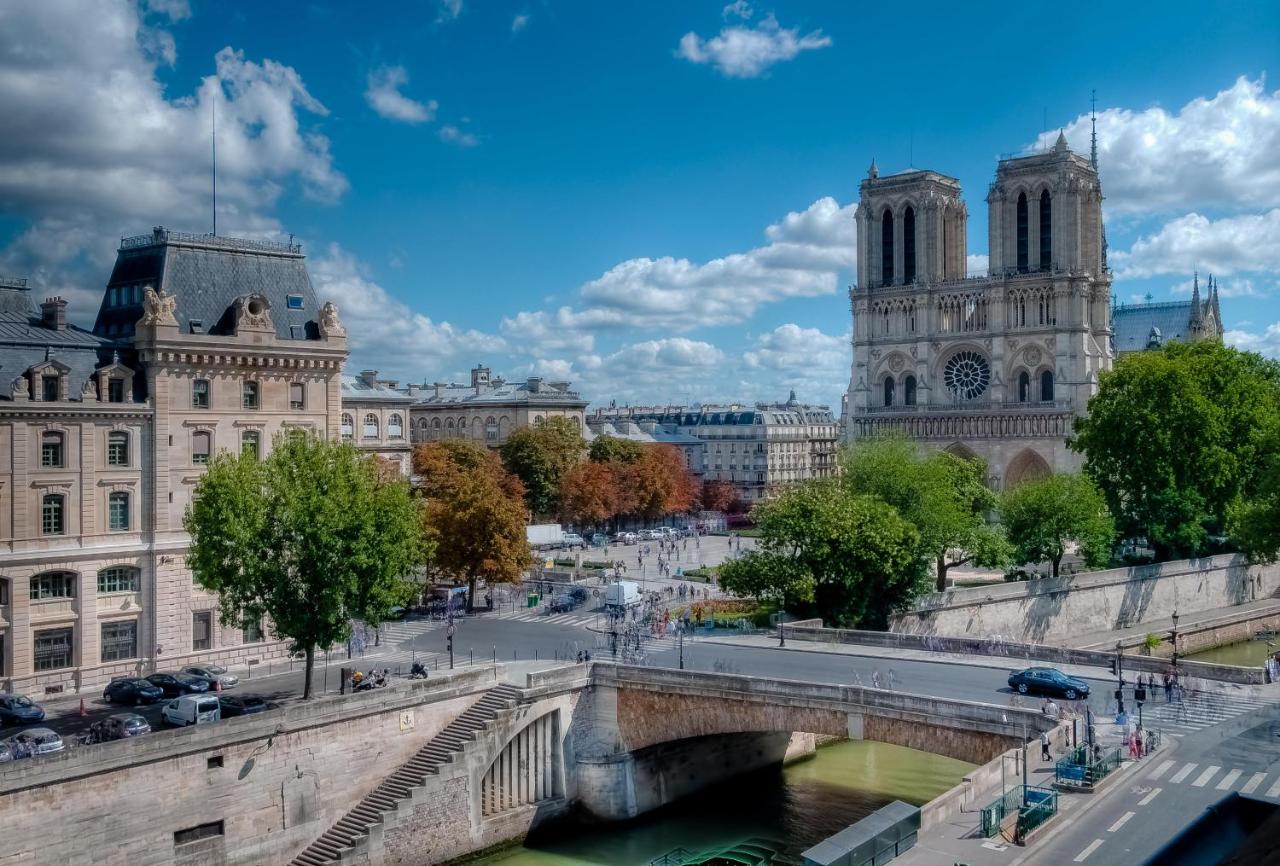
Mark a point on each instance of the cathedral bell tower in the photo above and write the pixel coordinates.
(911, 229)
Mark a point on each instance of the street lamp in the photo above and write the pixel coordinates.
(1175, 641)
(782, 635)
(1119, 682)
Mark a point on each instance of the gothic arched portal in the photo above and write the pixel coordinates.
(1027, 465)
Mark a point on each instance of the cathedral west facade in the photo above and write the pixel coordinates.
(994, 366)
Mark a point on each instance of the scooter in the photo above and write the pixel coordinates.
(418, 671)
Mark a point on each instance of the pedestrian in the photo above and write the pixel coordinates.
(1044, 747)
(875, 679)
(1052, 709)
(893, 679)
(1168, 688)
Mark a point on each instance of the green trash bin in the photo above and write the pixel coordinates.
(532, 600)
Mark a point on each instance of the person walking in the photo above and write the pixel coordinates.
(1044, 747)
(875, 679)
(893, 679)
(1168, 688)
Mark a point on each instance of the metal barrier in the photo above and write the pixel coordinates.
(994, 813)
(1077, 770)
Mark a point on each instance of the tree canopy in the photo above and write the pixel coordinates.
(312, 537)
(589, 495)
(1255, 522)
(612, 449)
(1042, 516)
(1179, 438)
(849, 558)
(717, 495)
(943, 496)
(657, 484)
(541, 455)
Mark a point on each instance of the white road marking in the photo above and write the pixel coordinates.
(1161, 770)
(1183, 773)
(1118, 824)
(1089, 849)
(1203, 778)
(1147, 799)
(1252, 785)
(1228, 780)
(1274, 790)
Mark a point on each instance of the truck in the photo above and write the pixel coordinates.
(622, 594)
(544, 536)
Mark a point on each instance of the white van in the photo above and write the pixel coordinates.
(191, 710)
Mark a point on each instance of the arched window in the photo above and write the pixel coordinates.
(51, 451)
(395, 427)
(370, 429)
(884, 320)
(490, 429)
(909, 245)
(1046, 385)
(1046, 232)
(435, 428)
(117, 448)
(888, 391)
(348, 426)
(201, 447)
(53, 584)
(1024, 387)
(1022, 233)
(118, 579)
(909, 391)
(886, 247)
(51, 386)
(118, 511)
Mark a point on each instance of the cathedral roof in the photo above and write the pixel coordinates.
(1131, 324)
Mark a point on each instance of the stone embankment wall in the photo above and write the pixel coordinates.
(1204, 635)
(1056, 610)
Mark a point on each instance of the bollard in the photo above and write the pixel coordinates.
(471, 656)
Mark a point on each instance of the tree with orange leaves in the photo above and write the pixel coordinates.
(589, 494)
(718, 495)
(657, 484)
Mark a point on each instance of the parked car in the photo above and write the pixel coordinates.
(19, 710)
(1048, 681)
(625, 538)
(649, 535)
(241, 705)
(33, 742)
(6, 754)
(132, 690)
(579, 594)
(561, 603)
(191, 710)
(119, 726)
(213, 674)
(599, 540)
(179, 683)
(571, 540)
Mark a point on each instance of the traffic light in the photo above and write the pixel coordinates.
(1140, 695)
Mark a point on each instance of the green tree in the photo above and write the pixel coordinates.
(1042, 516)
(1177, 439)
(943, 496)
(312, 537)
(541, 456)
(611, 449)
(849, 558)
(1254, 523)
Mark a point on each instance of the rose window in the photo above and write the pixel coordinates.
(966, 375)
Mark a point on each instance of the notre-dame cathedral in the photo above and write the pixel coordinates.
(996, 365)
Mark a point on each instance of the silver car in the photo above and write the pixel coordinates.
(214, 674)
(33, 742)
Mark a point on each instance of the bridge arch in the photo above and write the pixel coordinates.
(527, 769)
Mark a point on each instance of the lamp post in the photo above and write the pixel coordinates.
(1119, 681)
(1175, 641)
(782, 635)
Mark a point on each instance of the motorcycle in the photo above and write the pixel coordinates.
(418, 671)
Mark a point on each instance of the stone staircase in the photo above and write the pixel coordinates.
(353, 829)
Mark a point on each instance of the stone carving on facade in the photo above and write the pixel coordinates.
(913, 352)
(1051, 343)
(330, 325)
(19, 388)
(875, 354)
(1033, 356)
(253, 313)
(158, 307)
(896, 363)
(88, 392)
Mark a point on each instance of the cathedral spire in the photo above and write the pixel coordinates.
(873, 172)
(1093, 123)
(1195, 295)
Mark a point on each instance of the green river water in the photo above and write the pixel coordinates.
(795, 806)
(1249, 653)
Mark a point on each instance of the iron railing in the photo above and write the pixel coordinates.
(1039, 805)
(997, 810)
(160, 235)
(1078, 770)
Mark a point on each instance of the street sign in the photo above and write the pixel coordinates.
(451, 629)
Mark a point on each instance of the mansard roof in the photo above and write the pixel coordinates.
(26, 342)
(206, 274)
(368, 389)
(1131, 324)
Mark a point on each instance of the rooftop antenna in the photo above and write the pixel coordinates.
(213, 130)
(911, 149)
(1093, 122)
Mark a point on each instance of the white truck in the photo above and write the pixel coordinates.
(544, 536)
(622, 594)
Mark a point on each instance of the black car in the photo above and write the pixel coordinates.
(131, 690)
(19, 710)
(241, 705)
(1047, 681)
(179, 684)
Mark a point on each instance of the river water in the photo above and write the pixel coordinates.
(792, 807)
(1248, 653)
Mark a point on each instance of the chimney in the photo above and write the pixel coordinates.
(53, 314)
(414, 389)
(479, 377)
(534, 384)
(369, 377)
(440, 386)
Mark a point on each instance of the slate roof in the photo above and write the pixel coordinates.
(206, 274)
(355, 388)
(662, 434)
(506, 393)
(1131, 324)
(26, 342)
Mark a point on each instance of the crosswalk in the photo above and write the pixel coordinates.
(1217, 778)
(1198, 712)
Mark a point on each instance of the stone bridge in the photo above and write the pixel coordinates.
(432, 771)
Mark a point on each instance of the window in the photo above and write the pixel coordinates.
(118, 579)
(117, 449)
(52, 649)
(348, 426)
(1046, 386)
(909, 245)
(395, 427)
(119, 640)
(118, 511)
(1046, 231)
(51, 449)
(115, 390)
(370, 430)
(293, 302)
(886, 247)
(195, 834)
(249, 395)
(53, 584)
(250, 443)
(1022, 233)
(1024, 387)
(52, 514)
(909, 391)
(252, 633)
(4, 596)
(202, 630)
(296, 394)
(888, 392)
(491, 430)
(201, 447)
(50, 386)
(200, 394)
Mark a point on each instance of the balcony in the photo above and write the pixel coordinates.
(973, 406)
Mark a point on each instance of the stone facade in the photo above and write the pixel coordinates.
(202, 344)
(375, 416)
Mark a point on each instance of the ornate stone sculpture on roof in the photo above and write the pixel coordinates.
(158, 307)
(253, 313)
(330, 326)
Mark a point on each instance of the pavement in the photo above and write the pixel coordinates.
(1106, 640)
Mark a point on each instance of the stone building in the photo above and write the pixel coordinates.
(758, 449)
(1137, 327)
(651, 433)
(202, 344)
(490, 408)
(375, 416)
(995, 365)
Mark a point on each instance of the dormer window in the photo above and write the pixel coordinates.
(294, 302)
(50, 385)
(115, 390)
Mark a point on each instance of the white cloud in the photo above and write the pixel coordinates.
(450, 134)
(741, 51)
(792, 348)
(668, 355)
(1237, 287)
(976, 263)
(738, 9)
(176, 10)
(385, 333)
(1222, 151)
(806, 251)
(541, 333)
(383, 95)
(1195, 242)
(1266, 343)
(449, 9)
(519, 22)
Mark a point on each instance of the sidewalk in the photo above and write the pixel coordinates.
(1106, 640)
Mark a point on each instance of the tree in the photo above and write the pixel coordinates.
(474, 514)
(657, 484)
(717, 495)
(611, 449)
(540, 456)
(851, 558)
(311, 537)
(1042, 516)
(1178, 438)
(944, 496)
(1255, 523)
(589, 495)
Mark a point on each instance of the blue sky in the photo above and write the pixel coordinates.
(652, 200)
